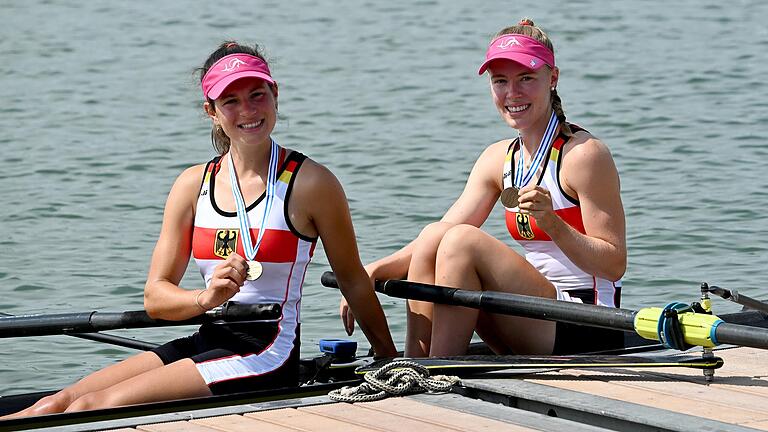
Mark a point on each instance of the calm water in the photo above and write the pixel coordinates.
(101, 112)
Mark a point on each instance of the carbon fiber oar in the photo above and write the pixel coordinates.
(89, 322)
(699, 329)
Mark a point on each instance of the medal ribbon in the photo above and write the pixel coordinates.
(521, 179)
(242, 215)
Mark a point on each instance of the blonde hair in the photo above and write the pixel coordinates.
(526, 27)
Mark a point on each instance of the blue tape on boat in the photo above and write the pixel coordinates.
(339, 347)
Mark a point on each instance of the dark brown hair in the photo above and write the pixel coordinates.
(219, 139)
(526, 27)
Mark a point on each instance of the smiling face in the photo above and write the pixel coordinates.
(246, 110)
(522, 95)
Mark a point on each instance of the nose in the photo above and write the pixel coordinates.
(249, 106)
(513, 88)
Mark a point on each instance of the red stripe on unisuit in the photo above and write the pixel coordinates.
(571, 216)
(282, 245)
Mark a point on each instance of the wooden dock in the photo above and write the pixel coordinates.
(675, 399)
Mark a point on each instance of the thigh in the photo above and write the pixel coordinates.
(469, 256)
(178, 380)
(467, 252)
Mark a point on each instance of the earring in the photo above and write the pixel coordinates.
(552, 88)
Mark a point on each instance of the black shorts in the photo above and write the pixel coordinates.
(575, 338)
(214, 341)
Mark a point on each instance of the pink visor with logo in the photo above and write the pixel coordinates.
(521, 49)
(230, 69)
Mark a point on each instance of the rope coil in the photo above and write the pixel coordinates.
(394, 379)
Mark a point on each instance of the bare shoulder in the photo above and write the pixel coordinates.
(490, 165)
(587, 165)
(496, 150)
(190, 179)
(314, 176)
(584, 148)
(186, 188)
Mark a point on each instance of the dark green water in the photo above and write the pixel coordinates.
(101, 112)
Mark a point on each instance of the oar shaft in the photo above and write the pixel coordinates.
(742, 335)
(513, 304)
(89, 322)
(110, 339)
(548, 309)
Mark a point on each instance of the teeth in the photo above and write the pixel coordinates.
(251, 125)
(517, 108)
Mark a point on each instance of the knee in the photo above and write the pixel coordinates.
(459, 240)
(88, 401)
(55, 403)
(429, 239)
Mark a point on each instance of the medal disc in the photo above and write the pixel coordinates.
(254, 270)
(509, 197)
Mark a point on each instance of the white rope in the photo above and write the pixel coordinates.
(394, 379)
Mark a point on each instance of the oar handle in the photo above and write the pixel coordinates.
(89, 322)
(328, 279)
(236, 311)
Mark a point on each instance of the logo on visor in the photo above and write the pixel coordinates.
(533, 63)
(506, 43)
(232, 65)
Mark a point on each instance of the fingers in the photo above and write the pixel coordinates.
(235, 267)
(347, 318)
(534, 199)
(226, 280)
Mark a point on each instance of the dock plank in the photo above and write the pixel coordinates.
(175, 426)
(732, 398)
(394, 420)
(441, 416)
(240, 423)
(306, 421)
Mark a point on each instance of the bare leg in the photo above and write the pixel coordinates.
(96, 381)
(177, 380)
(422, 269)
(469, 258)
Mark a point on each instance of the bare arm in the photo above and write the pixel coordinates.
(163, 297)
(329, 214)
(589, 174)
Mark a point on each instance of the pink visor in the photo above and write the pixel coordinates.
(521, 49)
(230, 69)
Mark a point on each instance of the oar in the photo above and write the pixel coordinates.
(108, 338)
(88, 322)
(739, 298)
(699, 329)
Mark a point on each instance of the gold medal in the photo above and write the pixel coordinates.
(509, 197)
(254, 270)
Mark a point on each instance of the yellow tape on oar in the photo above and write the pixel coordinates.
(698, 329)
